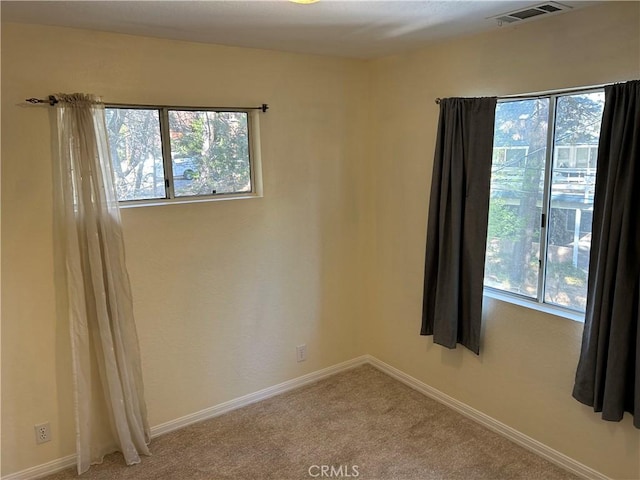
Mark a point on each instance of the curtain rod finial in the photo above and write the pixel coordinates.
(51, 100)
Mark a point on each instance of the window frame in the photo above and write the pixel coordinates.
(253, 140)
(538, 303)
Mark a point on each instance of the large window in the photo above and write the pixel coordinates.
(542, 187)
(166, 153)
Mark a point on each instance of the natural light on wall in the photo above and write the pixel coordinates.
(303, 1)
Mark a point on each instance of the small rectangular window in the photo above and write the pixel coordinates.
(173, 153)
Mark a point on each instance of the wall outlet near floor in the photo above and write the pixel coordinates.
(43, 432)
(301, 352)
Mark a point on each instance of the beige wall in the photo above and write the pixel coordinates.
(223, 291)
(331, 256)
(524, 375)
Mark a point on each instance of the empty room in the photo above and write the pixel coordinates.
(320, 239)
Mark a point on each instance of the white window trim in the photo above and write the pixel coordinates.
(154, 202)
(533, 304)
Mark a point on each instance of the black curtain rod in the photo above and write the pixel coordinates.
(52, 100)
(544, 94)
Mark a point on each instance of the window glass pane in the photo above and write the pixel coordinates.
(582, 157)
(578, 119)
(499, 156)
(563, 157)
(513, 236)
(209, 152)
(136, 151)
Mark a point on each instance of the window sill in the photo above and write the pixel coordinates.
(177, 201)
(534, 305)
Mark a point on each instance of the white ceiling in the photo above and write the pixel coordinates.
(349, 28)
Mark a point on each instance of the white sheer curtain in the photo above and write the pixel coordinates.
(108, 391)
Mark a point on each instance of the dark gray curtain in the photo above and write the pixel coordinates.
(457, 226)
(608, 375)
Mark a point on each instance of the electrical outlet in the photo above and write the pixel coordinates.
(43, 432)
(301, 352)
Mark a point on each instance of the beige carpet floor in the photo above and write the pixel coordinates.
(361, 418)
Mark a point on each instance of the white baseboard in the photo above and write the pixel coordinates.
(256, 396)
(512, 434)
(515, 436)
(44, 469)
(69, 461)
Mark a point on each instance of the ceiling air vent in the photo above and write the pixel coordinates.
(537, 11)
